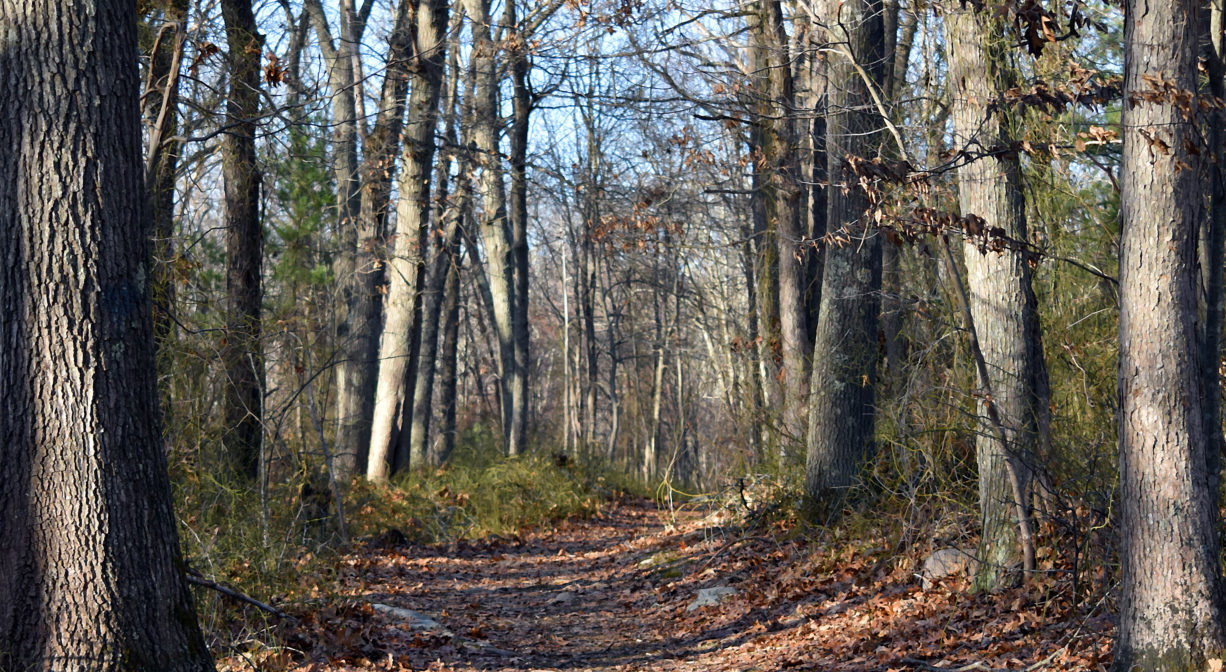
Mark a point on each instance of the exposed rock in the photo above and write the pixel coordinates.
(413, 620)
(947, 562)
(564, 597)
(707, 597)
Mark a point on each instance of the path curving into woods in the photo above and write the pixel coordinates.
(613, 593)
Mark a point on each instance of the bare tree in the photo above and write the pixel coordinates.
(1002, 303)
(841, 412)
(496, 233)
(161, 112)
(354, 323)
(415, 442)
(242, 352)
(781, 196)
(406, 262)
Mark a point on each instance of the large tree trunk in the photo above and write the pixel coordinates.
(242, 352)
(1001, 301)
(1170, 588)
(845, 351)
(406, 263)
(90, 573)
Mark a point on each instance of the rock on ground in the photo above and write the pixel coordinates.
(947, 562)
(707, 597)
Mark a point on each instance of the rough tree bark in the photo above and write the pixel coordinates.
(1001, 301)
(90, 573)
(406, 262)
(845, 352)
(242, 352)
(1171, 588)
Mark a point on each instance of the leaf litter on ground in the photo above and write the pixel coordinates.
(797, 605)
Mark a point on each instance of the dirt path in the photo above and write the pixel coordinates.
(611, 593)
(586, 596)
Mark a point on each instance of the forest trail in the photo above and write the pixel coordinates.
(612, 593)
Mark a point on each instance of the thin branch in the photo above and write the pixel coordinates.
(195, 578)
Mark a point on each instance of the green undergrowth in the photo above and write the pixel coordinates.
(477, 497)
(288, 549)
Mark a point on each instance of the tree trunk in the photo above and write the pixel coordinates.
(781, 197)
(651, 452)
(1001, 302)
(407, 261)
(810, 83)
(352, 367)
(845, 352)
(161, 112)
(242, 352)
(766, 268)
(358, 333)
(1212, 242)
(417, 439)
(90, 572)
(450, 348)
(585, 279)
(894, 79)
(1170, 588)
(757, 386)
(496, 232)
(521, 106)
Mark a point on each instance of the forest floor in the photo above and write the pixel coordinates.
(611, 592)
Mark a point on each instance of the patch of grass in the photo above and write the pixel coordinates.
(473, 498)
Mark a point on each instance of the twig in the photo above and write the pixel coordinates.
(198, 580)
